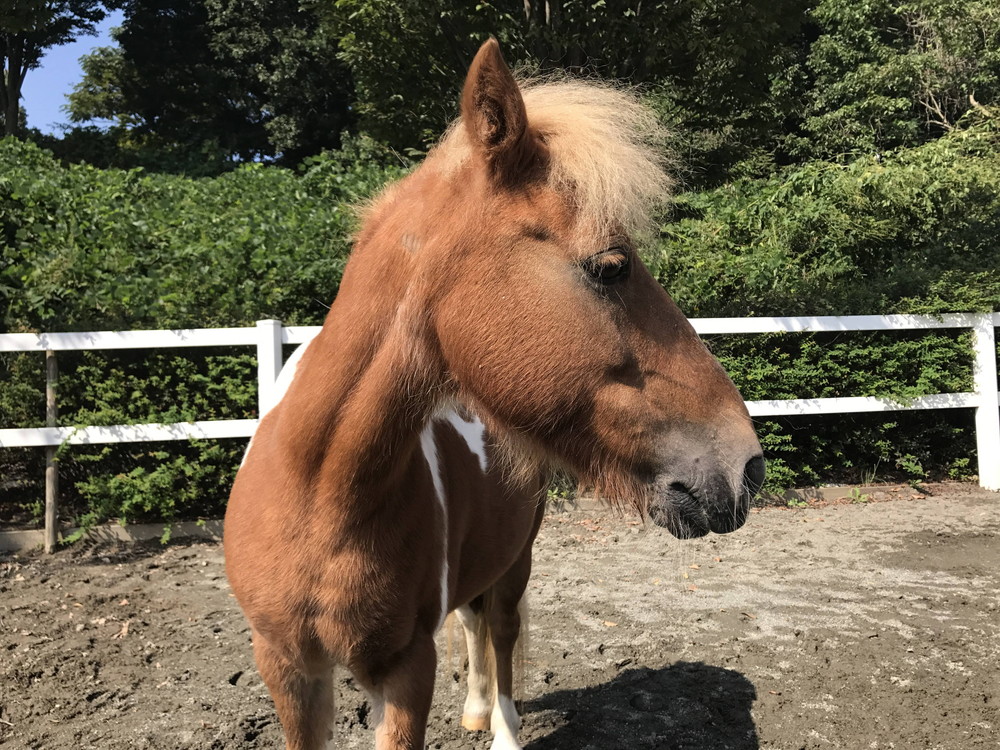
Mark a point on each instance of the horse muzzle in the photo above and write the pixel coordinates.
(711, 502)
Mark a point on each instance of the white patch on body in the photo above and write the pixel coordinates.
(473, 432)
(429, 448)
(505, 722)
(411, 243)
(281, 386)
(478, 701)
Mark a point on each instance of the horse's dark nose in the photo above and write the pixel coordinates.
(753, 476)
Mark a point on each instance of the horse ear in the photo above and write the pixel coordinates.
(493, 112)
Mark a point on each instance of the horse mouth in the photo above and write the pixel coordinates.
(687, 516)
(679, 512)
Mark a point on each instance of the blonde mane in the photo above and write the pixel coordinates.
(606, 149)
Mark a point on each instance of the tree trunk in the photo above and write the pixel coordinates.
(534, 16)
(12, 87)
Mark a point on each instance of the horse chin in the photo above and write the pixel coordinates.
(687, 515)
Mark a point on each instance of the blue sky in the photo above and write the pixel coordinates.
(44, 91)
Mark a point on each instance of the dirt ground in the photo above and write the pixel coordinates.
(865, 625)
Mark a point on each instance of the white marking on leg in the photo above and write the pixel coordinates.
(429, 447)
(473, 433)
(281, 386)
(478, 701)
(505, 722)
(331, 742)
(377, 715)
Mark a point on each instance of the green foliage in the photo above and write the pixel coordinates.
(911, 231)
(274, 79)
(91, 249)
(121, 147)
(27, 29)
(427, 46)
(842, 158)
(900, 365)
(745, 87)
(241, 82)
(145, 481)
(301, 93)
(707, 66)
(888, 74)
(166, 482)
(858, 497)
(834, 365)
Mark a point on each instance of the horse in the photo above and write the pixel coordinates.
(494, 321)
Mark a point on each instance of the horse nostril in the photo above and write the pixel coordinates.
(753, 475)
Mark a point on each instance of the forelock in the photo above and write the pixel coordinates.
(606, 149)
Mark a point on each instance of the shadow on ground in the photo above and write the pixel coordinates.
(686, 706)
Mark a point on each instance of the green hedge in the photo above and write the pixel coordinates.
(90, 249)
(915, 231)
(87, 249)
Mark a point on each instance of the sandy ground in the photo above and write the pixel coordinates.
(851, 626)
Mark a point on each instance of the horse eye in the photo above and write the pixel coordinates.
(608, 267)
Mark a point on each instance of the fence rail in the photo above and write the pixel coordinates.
(268, 336)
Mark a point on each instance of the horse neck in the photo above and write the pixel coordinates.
(365, 393)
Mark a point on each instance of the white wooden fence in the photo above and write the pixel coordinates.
(269, 335)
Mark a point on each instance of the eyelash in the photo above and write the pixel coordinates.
(603, 270)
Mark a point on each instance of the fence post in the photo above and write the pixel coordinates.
(51, 463)
(269, 362)
(988, 410)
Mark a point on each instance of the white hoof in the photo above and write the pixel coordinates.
(505, 723)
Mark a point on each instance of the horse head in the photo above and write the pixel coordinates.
(519, 235)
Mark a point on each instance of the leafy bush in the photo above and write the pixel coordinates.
(90, 249)
(913, 231)
(87, 249)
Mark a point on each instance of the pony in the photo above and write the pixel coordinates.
(494, 321)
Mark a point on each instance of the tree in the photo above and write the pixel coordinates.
(709, 65)
(165, 88)
(27, 29)
(240, 81)
(407, 60)
(304, 93)
(887, 73)
(280, 79)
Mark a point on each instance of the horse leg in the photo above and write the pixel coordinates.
(304, 702)
(403, 697)
(504, 619)
(478, 703)
(505, 625)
